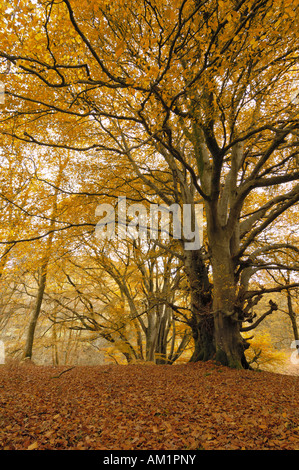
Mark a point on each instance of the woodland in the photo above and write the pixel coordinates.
(119, 108)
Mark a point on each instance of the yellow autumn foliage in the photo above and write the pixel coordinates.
(262, 354)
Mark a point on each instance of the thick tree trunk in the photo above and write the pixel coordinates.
(202, 323)
(204, 342)
(229, 343)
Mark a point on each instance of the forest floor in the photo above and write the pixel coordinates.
(201, 406)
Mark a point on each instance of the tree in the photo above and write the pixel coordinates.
(42, 274)
(124, 294)
(197, 96)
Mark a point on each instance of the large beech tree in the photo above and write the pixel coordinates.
(199, 97)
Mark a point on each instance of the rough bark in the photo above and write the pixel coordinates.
(201, 322)
(229, 344)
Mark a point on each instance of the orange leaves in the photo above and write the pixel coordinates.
(154, 407)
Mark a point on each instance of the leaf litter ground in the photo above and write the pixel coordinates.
(201, 406)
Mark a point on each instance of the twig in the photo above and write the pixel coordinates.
(66, 370)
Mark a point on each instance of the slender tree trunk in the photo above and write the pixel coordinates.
(151, 334)
(181, 348)
(69, 343)
(43, 278)
(140, 355)
(292, 316)
(36, 312)
(55, 355)
(165, 313)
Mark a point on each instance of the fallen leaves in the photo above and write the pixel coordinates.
(183, 407)
(33, 446)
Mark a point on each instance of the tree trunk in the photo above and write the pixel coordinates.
(55, 355)
(204, 342)
(165, 317)
(292, 316)
(151, 346)
(36, 312)
(140, 355)
(229, 343)
(43, 278)
(173, 356)
(201, 323)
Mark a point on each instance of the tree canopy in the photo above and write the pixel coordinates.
(187, 102)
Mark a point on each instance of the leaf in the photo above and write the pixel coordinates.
(119, 50)
(33, 446)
